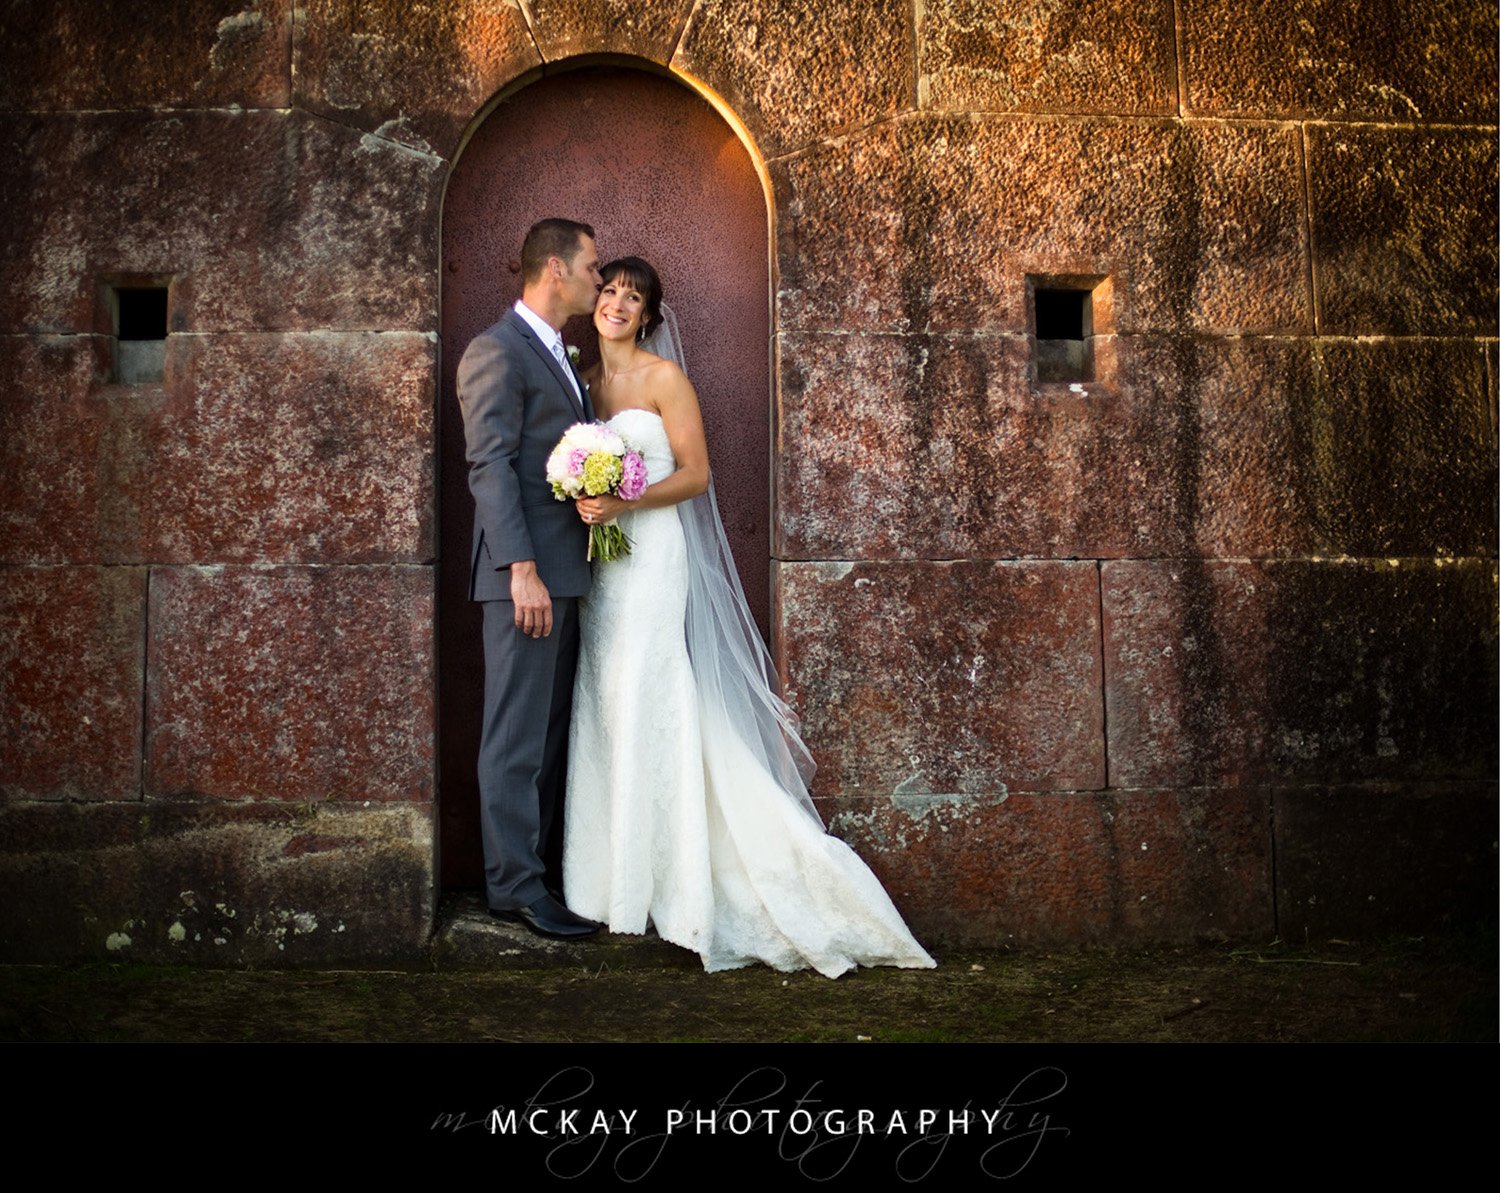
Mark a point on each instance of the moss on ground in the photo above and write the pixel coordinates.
(1441, 989)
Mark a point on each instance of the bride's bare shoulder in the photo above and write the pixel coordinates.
(659, 368)
(661, 371)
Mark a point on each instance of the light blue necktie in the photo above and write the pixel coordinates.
(562, 359)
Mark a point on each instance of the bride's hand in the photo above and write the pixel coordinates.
(598, 510)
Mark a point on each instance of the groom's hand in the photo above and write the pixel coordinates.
(532, 600)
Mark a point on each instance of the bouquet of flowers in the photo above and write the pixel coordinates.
(591, 460)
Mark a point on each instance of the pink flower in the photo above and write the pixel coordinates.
(633, 476)
(576, 459)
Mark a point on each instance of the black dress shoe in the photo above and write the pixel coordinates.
(548, 917)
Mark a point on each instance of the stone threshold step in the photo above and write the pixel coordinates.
(468, 937)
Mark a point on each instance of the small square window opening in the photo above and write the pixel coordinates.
(140, 334)
(1066, 318)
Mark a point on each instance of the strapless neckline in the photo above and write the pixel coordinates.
(634, 410)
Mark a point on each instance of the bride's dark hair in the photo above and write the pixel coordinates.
(639, 275)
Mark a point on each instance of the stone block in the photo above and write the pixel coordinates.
(468, 937)
(1296, 447)
(934, 224)
(1299, 670)
(1107, 56)
(1427, 61)
(411, 73)
(302, 684)
(941, 447)
(58, 446)
(339, 429)
(1215, 426)
(240, 884)
(1384, 859)
(72, 645)
(302, 447)
(262, 221)
(901, 447)
(1403, 229)
(1391, 454)
(83, 55)
(645, 28)
(796, 71)
(970, 678)
(1070, 867)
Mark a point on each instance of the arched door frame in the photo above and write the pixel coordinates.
(646, 65)
(757, 163)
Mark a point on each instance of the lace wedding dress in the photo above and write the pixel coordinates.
(672, 815)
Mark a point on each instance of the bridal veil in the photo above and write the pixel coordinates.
(730, 662)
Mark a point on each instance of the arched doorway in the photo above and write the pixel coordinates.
(659, 174)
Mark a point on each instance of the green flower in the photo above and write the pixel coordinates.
(601, 473)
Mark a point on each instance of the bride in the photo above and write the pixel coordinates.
(687, 802)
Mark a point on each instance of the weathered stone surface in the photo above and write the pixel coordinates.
(933, 224)
(798, 70)
(974, 678)
(974, 460)
(1403, 227)
(53, 437)
(264, 220)
(1384, 859)
(1294, 447)
(1389, 450)
(306, 447)
(240, 884)
(1492, 379)
(645, 28)
(1074, 867)
(1298, 670)
(1217, 428)
(290, 683)
(900, 447)
(412, 73)
(72, 644)
(81, 54)
(1044, 56)
(292, 448)
(1433, 60)
(1216, 447)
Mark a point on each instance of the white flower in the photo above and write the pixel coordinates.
(594, 437)
(559, 475)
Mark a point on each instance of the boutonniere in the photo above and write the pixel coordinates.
(573, 354)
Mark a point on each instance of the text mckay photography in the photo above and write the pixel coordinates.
(579, 1121)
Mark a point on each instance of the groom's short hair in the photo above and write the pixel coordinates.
(550, 238)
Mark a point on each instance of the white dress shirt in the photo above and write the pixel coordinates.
(551, 337)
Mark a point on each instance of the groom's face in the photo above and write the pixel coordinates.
(581, 279)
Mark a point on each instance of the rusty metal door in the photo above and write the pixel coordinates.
(660, 175)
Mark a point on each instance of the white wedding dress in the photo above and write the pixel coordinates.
(671, 815)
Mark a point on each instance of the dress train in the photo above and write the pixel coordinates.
(671, 816)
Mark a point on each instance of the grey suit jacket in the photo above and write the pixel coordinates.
(516, 404)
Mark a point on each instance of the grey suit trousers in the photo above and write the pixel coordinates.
(517, 400)
(522, 766)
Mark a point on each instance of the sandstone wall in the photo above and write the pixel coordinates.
(1204, 645)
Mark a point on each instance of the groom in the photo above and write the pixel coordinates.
(519, 393)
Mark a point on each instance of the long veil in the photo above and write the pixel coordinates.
(731, 665)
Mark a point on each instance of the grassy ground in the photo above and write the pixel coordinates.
(1413, 989)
